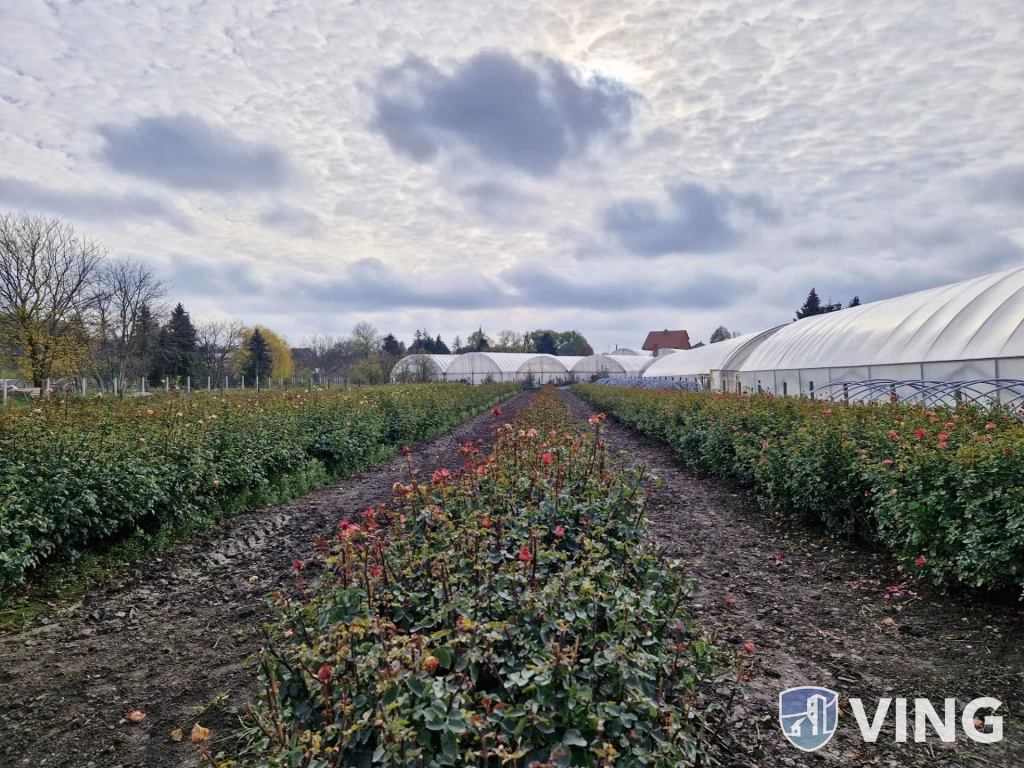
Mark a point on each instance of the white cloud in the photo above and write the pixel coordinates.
(887, 133)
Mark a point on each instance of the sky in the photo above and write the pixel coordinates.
(610, 166)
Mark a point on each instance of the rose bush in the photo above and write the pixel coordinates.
(76, 473)
(514, 612)
(943, 484)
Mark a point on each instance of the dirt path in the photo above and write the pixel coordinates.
(172, 642)
(817, 612)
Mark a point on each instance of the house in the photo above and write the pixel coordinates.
(666, 339)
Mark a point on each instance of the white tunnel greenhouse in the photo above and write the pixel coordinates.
(961, 332)
(421, 368)
(611, 366)
(547, 369)
(481, 367)
(713, 366)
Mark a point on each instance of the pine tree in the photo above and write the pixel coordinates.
(854, 302)
(177, 349)
(440, 348)
(546, 345)
(259, 362)
(457, 344)
(812, 306)
(391, 346)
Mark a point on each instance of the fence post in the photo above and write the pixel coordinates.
(46, 394)
(188, 385)
(142, 381)
(209, 383)
(243, 381)
(257, 383)
(5, 391)
(85, 383)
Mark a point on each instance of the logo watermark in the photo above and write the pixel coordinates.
(809, 717)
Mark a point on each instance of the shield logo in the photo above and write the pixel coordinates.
(808, 716)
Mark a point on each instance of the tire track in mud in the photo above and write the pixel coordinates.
(172, 641)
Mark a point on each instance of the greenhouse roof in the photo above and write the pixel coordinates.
(976, 319)
(722, 355)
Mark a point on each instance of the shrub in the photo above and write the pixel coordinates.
(74, 473)
(942, 489)
(514, 612)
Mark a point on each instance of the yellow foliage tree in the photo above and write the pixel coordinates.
(280, 353)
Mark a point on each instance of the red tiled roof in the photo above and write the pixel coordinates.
(667, 340)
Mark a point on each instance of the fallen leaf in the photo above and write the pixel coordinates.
(176, 734)
(135, 716)
(199, 734)
(890, 622)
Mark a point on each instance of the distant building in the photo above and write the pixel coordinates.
(666, 339)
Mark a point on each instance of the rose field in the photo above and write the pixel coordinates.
(445, 575)
(76, 473)
(943, 489)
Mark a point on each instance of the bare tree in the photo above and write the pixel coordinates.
(127, 289)
(327, 354)
(46, 278)
(217, 341)
(365, 339)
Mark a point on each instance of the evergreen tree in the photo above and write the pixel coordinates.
(391, 346)
(546, 345)
(812, 306)
(478, 341)
(855, 301)
(177, 348)
(457, 344)
(147, 339)
(440, 348)
(259, 362)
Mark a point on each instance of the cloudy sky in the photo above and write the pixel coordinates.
(606, 165)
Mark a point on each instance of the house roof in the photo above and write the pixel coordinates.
(667, 340)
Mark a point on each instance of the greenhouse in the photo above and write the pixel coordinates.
(964, 332)
(483, 367)
(547, 369)
(620, 351)
(610, 366)
(421, 368)
(713, 366)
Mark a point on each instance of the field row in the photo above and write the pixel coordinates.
(513, 611)
(75, 474)
(942, 489)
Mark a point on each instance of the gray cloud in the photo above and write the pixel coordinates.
(186, 152)
(530, 116)
(293, 221)
(90, 206)
(497, 201)
(698, 220)
(539, 286)
(368, 285)
(1003, 186)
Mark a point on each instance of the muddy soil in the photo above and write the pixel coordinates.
(817, 611)
(173, 639)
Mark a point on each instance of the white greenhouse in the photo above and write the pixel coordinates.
(620, 351)
(713, 366)
(481, 367)
(610, 366)
(421, 368)
(961, 332)
(547, 369)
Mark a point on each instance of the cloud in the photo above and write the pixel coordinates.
(88, 206)
(369, 285)
(531, 116)
(1003, 186)
(186, 152)
(497, 201)
(293, 221)
(697, 219)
